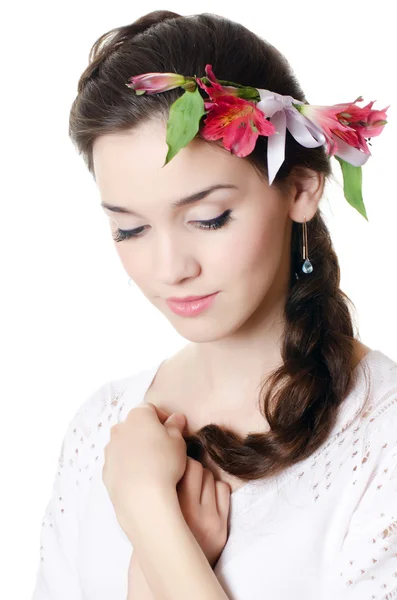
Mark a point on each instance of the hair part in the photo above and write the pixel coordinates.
(301, 398)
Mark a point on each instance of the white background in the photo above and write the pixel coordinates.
(69, 320)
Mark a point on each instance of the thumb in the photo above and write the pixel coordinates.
(162, 415)
(175, 423)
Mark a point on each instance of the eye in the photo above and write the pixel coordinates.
(220, 221)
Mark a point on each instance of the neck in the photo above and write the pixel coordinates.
(233, 367)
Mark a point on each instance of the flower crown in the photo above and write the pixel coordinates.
(239, 114)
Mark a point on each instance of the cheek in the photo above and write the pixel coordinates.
(253, 250)
(133, 261)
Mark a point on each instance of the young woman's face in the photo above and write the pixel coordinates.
(171, 253)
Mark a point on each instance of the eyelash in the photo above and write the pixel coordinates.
(216, 223)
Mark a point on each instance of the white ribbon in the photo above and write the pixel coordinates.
(284, 116)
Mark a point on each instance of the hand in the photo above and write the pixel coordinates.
(205, 504)
(146, 452)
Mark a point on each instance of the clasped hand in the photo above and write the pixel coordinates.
(146, 452)
(147, 455)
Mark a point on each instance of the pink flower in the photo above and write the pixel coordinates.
(153, 83)
(234, 119)
(370, 123)
(216, 90)
(238, 122)
(347, 121)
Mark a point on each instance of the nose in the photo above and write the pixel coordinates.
(174, 258)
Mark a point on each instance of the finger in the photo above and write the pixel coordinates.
(177, 422)
(208, 496)
(223, 493)
(162, 415)
(191, 483)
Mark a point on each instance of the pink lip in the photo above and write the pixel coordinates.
(191, 307)
(187, 298)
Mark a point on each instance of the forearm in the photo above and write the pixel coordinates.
(138, 587)
(169, 555)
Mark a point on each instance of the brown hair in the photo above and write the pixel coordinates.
(302, 397)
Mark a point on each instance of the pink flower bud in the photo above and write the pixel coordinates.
(153, 83)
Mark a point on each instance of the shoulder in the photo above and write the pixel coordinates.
(373, 388)
(381, 383)
(88, 431)
(105, 401)
(379, 415)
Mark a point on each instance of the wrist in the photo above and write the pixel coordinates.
(151, 503)
(154, 495)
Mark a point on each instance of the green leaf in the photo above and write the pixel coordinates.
(352, 185)
(183, 122)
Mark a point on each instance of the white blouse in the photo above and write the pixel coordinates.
(325, 529)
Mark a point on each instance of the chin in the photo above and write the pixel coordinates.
(206, 328)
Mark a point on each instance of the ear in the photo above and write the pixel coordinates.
(306, 190)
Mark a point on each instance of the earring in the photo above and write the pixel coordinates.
(130, 282)
(307, 266)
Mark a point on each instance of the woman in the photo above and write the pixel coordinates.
(309, 506)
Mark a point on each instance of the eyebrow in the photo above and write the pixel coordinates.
(181, 202)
